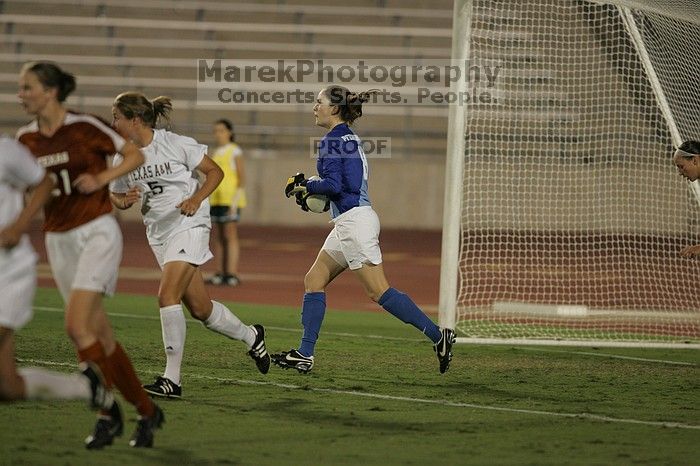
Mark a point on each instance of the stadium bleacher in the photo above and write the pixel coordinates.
(152, 46)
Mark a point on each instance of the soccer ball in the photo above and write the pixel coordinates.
(317, 203)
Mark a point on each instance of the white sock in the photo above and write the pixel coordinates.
(42, 384)
(174, 326)
(223, 321)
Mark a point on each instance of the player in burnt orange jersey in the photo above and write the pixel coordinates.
(83, 241)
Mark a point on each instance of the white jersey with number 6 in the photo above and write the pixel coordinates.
(166, 178)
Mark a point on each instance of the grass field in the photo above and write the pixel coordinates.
(374, 397)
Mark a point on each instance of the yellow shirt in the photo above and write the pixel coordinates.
(227, 193)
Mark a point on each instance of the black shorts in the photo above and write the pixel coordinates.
(224, 214)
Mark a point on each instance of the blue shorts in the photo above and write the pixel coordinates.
(224, 214)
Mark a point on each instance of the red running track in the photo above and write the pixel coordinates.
(274, 261)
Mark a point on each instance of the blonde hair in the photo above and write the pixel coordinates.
(136, 105)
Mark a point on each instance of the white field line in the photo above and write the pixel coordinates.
(407, 399)
(279, 329)
(612, 356)
(381, 337)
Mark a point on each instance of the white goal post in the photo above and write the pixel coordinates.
(564, 215)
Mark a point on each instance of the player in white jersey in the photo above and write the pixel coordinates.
(19, 170)
(176, 214)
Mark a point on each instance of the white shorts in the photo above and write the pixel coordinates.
(17, 285)
(86, 257)
(354, 240)
(187, 246)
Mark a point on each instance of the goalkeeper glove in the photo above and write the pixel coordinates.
(295, 184)
(302, 201)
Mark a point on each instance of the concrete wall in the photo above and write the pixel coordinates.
(405, 193)
(543, 194)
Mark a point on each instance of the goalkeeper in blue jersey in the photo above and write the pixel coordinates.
(354, 241)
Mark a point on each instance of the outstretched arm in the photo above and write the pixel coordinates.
(87, 183)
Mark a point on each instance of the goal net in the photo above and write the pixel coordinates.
(564, 213)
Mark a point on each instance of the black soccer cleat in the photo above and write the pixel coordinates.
(100, 396)
(164, 387)
(258, 352)
(106, 429)
(145, 427)
(293, 359)
(443, 349)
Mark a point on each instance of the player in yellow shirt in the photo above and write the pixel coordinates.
(227, 201)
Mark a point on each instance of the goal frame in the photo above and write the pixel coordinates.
(454, 168)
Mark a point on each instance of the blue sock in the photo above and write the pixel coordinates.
(403, 307)
(312, 313)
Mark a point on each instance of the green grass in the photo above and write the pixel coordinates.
(231, 414)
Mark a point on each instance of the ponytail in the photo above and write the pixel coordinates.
(162, 106)
(135, 104)
(349, 104)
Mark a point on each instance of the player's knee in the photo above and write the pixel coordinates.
(200, 310)
(232, 237)
(76, 331)
(107, 340)
(376, 293)
(314, 283)
(167, 298)
(223, 234)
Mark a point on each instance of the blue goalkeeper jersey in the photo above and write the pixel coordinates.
(342, 166)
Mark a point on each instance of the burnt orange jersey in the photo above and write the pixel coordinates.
(81, 145)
